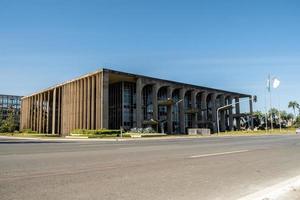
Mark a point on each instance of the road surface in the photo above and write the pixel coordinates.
(204, 168)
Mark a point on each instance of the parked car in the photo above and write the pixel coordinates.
(298, 131)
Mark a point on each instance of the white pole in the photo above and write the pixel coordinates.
(218, 123)
(271, 114)
(279, 111)
(266, 111)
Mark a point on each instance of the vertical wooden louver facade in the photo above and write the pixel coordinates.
(77, 104)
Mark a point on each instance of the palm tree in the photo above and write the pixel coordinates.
(294, 105)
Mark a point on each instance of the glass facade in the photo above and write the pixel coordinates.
(162, 109)
(10, 103)
(147, 102)
(175, 113)
(188, 105)
(129, 105)
(122, 105)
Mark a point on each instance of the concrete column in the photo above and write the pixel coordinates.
(194, 106)
(98, 100)
(81, 104)
(222, 114)
(84, 117)
(77, 123)
(139, 100)
(251, 113)
(204, 106)
(214, 112)
(68, 113)
(54, 111)
(22, 118)
(237, 112)
(40, 114)
(22, 115)
(182, 111)
(63, 110)
(169, 111)
(93, 103)
(31, 113)
(59, 118)
(48, 112)
(88, 103)
(155, 89)
(105, 100)
(43, 113)
(71, 106)
(36, 114)
(230, 101)
(74, 96)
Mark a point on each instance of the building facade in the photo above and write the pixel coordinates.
(10, 103)
(112, 99)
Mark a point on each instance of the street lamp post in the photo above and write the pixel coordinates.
(177, 110)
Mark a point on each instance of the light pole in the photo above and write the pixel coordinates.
(177, 110)
(253, 98)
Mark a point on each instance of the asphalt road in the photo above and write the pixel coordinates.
(205, 168)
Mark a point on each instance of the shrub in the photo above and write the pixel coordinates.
(142, 130)
(99, 132)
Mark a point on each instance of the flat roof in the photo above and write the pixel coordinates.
(137, 76)
(9, 95)
(176, 83)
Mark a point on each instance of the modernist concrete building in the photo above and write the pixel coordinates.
(112, 99)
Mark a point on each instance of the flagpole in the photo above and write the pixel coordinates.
(271, 113)
(266, 111)
(279, 112)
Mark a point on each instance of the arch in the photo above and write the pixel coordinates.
(162, 97)
(176, 111)
(147, 102)
(211, 110)
(199, 105)
(188, 117)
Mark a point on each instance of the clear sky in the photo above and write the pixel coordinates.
(230, 45)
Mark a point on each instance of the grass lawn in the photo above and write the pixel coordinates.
(133, 135)
(261, 132)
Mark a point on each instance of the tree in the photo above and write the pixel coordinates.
(1, 118)
(294, 105)
(9, 124)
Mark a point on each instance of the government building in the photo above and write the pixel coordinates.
(108, 99)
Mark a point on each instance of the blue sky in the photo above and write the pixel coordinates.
(230, 45)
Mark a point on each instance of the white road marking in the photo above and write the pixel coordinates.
(275, 191)
(218, 154)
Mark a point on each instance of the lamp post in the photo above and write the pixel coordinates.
(252, 99)
(177, 108)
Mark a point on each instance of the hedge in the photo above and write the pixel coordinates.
(105, 132)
